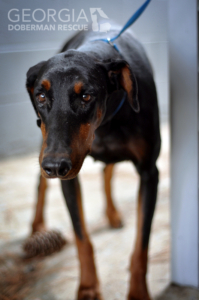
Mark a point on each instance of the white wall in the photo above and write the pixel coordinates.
(183, 52)
(21, 49)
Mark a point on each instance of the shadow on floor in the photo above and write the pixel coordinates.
(176, 292)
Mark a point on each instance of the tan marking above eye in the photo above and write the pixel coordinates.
(78, 87)
(41, 97)
(86, 97)
(46, 84)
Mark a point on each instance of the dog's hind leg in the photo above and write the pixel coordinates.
(89, 285)
(146, 205)
(112, 213)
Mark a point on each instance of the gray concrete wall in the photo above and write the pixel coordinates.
(21, 49)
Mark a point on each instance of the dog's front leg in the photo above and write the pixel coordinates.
(89, 285)
(146, 205)
(38, 223)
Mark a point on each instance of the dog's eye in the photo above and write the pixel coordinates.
(86, 97)
(41, 98)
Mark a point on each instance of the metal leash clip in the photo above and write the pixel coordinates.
(110, 42)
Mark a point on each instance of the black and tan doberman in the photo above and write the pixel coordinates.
(92, 99)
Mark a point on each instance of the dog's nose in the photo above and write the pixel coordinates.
(55, 167)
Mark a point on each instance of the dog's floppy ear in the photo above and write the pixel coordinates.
(31, 77)
(120, 75)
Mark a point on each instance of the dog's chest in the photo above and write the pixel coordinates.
(115, 148)
(107, 150)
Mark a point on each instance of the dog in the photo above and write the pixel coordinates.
(91, 99)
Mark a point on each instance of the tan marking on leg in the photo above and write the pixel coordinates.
(138, 287)
(46, 84)
(111, 211)
(89, 285)
(78, 87)
(38, 223)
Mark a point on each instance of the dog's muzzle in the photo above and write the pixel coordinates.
(56, 166)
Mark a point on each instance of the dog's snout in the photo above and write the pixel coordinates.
(56, 167)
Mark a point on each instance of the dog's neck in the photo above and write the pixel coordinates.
(100, 50)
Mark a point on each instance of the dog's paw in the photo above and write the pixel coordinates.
(138, 288)
(89, 294)
(114, 218)
(43, 243)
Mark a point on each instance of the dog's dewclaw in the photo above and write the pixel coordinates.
(44, 243)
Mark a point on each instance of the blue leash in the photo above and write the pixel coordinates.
(134, 17)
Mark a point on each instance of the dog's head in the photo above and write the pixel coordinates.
(69, 94)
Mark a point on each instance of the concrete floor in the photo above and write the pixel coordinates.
(56, 277)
